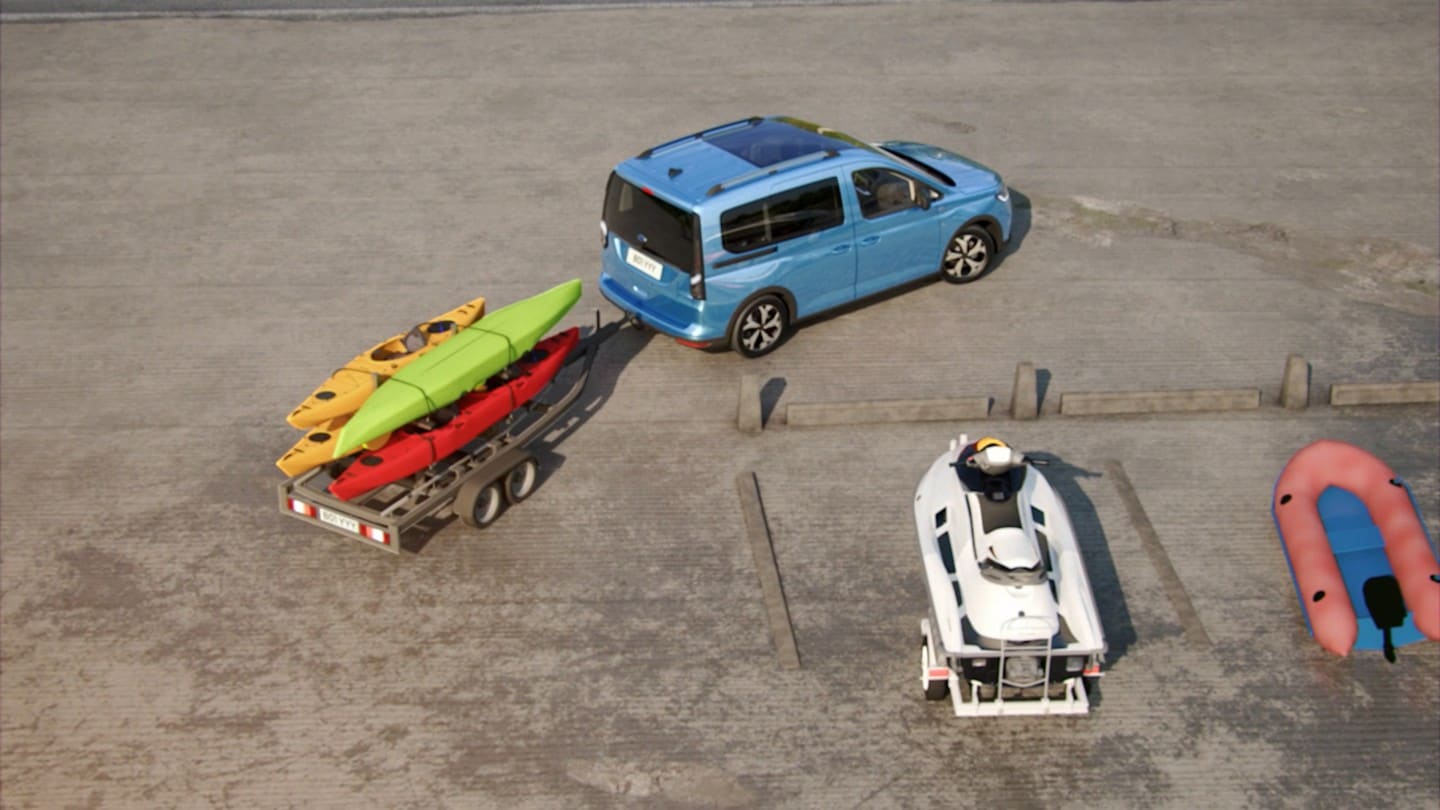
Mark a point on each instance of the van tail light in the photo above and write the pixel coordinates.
(604, 235)
(697, 286)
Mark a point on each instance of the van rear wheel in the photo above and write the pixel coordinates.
(760, 326)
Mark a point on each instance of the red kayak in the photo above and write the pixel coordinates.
(414, 447)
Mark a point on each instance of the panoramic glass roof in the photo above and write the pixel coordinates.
(774, 140)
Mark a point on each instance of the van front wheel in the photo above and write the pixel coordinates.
(759, 327)
(968, 255)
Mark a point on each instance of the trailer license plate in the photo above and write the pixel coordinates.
(349, 524)
(643, 263)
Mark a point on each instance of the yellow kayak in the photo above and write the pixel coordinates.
(317, 447)
(348, 388)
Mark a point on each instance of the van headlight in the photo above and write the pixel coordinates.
(1003, 195)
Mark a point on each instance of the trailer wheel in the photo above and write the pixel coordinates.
(487, 506)
(520, 481)
(478, 505)
(934, 690)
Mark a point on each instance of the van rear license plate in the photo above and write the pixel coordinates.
(349, 524)
(643, 263)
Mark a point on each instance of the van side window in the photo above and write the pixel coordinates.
(881, 192)
(790, 214)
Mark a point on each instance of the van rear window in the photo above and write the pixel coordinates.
(650, 223)
(787, 215)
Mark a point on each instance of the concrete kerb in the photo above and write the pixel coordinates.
(1135, 402)
(1025, 405)
(821, 414)
(1404, 393)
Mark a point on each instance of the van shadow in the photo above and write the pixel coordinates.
(615, 345)
(1110, 601)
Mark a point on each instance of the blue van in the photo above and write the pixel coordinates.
(733, 234)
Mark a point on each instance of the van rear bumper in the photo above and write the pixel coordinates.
(689, 332)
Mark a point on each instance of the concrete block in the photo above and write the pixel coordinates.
(1404, 393)
(1218, 399)
(1295, 386)
(747, 412)
(817, 414)
(1025, 398)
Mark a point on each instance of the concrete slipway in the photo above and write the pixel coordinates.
(202, 217)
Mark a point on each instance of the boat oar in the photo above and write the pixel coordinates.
(1386, 606)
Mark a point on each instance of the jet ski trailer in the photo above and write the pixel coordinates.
(1013, 628)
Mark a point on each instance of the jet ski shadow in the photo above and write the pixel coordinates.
(1065, 478)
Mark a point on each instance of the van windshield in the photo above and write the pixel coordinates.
(648, 222)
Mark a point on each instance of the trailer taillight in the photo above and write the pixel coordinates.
(372, 533)
(302, 508)
(1092, 671)
(938, 673)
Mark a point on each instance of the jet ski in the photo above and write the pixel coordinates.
(1013, 627)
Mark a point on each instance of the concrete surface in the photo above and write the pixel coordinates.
(200, 218)
(1103, 403)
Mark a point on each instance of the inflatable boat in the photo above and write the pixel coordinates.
(1364, 568)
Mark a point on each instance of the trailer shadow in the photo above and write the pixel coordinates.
(1095, 550)
(615, 345)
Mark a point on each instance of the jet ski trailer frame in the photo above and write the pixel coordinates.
(475, 483)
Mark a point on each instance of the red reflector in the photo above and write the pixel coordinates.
(302, 508)
(375, 534)
(694, 344)
(647, 190)
(936, 673)
(1092, 671)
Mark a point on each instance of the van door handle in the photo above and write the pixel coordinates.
(869, 240)
(839, 249)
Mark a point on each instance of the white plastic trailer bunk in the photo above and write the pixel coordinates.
(475, 483)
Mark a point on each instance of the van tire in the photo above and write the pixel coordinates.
(969, 254)
(760, 326)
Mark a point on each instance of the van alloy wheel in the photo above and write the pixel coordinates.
(968, 255)
(760, 326)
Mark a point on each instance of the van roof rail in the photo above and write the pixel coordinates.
(695, 136)
(772, 169)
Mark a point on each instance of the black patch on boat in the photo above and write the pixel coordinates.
(372, 461)
(1396, 482)
(1386, 606)
(325, 395)
(1318, 596)
(1284, 499)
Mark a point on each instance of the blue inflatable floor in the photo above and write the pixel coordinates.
(1360, 552)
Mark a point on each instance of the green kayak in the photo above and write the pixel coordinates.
(457, 366)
